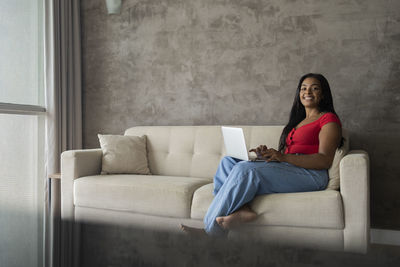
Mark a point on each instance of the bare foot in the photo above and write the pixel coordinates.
(191, 231)
(243, 215)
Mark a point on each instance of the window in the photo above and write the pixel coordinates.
(21, 52)
(22, 174)
(21, 190)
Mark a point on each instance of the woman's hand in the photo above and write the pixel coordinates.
(260, 150)
(268, 154)
(273, 155)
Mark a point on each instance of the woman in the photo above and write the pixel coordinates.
(306, 150)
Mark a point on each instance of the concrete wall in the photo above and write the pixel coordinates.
(188, 62)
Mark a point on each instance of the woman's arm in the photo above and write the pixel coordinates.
(329, 139)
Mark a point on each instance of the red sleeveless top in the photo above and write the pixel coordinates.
(305, 139)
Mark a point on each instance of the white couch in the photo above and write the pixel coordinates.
(183, 161)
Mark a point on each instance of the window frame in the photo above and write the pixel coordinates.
(21, 109)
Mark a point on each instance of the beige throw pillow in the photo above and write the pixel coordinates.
(334, 170)
(124, 154)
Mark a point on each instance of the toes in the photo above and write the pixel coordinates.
(223, 222)
(220, 220)
(184, 228)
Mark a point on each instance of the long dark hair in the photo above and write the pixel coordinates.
(298, 112)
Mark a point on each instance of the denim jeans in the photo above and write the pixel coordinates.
(237, 182)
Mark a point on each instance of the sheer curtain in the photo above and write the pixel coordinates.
(64, 113)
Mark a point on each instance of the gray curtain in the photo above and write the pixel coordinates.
(64, 115)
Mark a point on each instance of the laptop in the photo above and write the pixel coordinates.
(235, 144)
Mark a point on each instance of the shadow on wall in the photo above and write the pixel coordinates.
(375, 129)
(107, 245)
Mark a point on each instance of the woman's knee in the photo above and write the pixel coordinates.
(226, 158)
(244, 175)
(243, 168)
(226, 161)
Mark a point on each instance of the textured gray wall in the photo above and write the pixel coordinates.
(188, 62)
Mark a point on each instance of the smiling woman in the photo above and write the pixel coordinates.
(307, 147)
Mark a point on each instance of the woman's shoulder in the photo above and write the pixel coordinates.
(329, 117)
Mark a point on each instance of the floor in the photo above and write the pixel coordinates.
(117, 247)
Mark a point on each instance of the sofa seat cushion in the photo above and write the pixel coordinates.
(322, 209)
(147, 194)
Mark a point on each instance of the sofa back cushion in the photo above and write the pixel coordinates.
(196, 151)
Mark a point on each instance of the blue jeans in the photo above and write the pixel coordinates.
(238, 182)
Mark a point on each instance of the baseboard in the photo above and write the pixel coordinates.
(385, 237)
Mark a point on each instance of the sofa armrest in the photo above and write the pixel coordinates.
(75, 164)
(354, 188)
